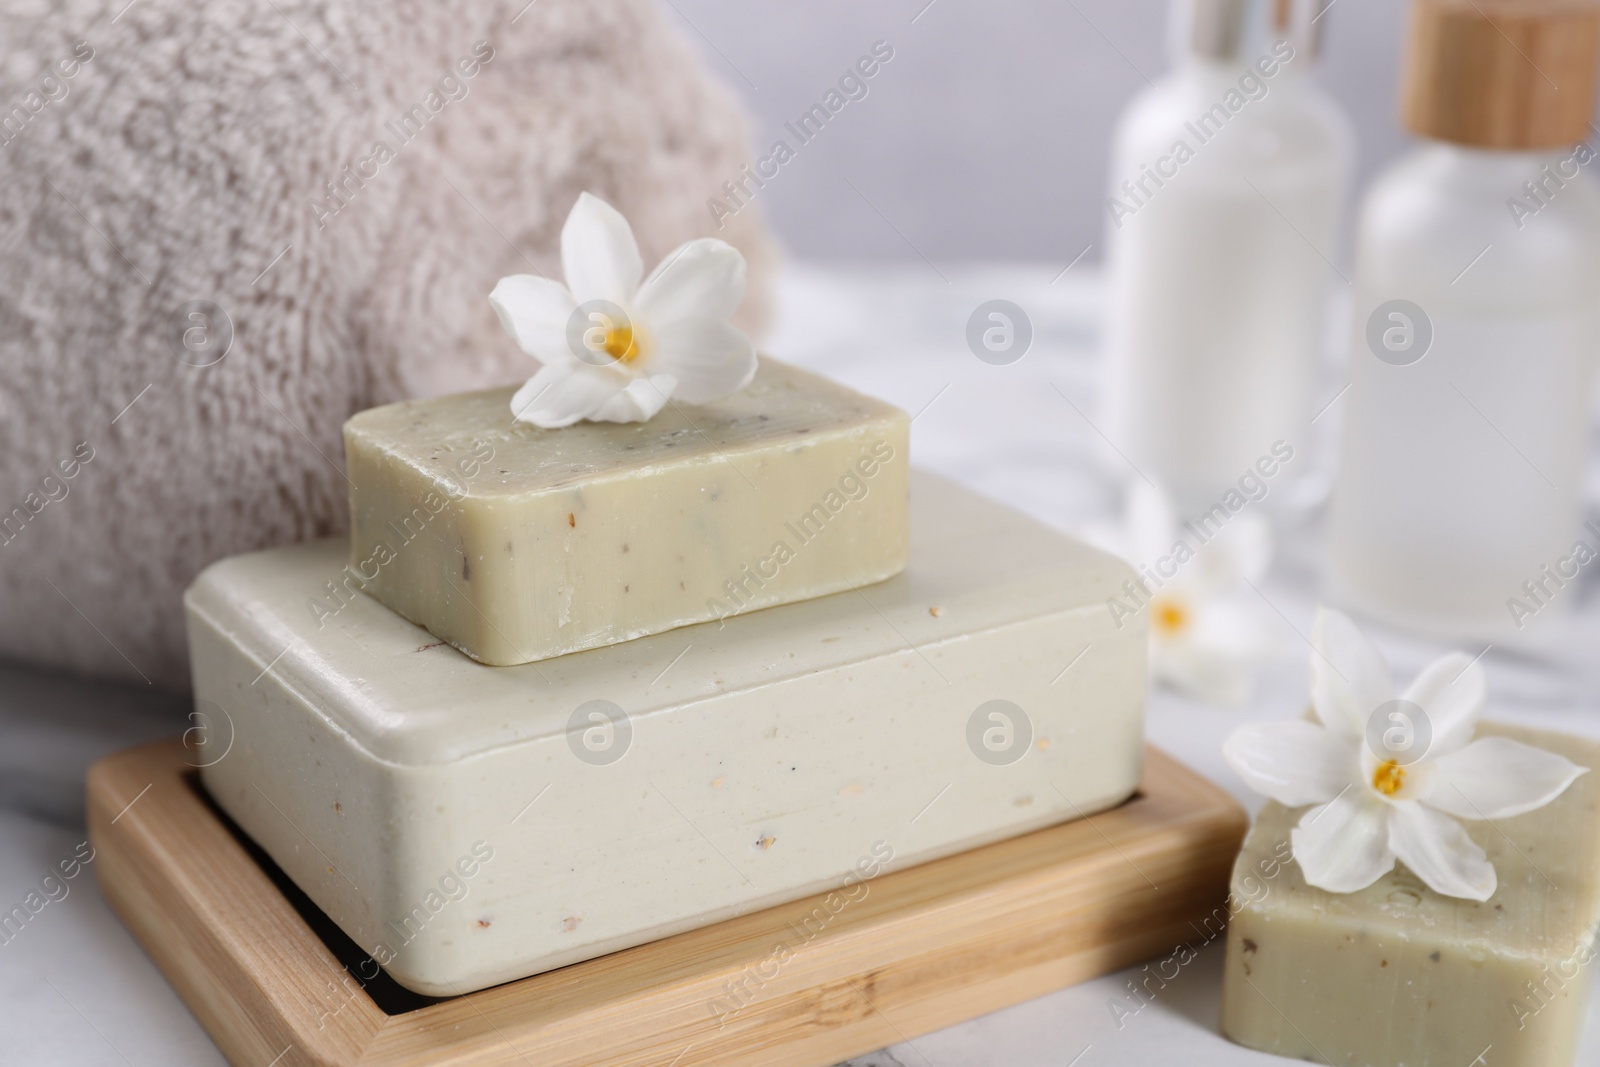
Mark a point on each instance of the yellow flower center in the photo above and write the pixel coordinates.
(620, 344)
(1389, 778)
(1169, 616)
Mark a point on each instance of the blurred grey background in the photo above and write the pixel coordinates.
(987, 135)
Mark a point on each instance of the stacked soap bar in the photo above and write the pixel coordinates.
(517, 544)
(625, 793)
(1397, 975)
(468, 824)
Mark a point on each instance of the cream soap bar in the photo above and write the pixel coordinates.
(468, 825)
(515, 543)
(1399, 975)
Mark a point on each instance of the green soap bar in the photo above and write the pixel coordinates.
(516, 544)
(1397, 975)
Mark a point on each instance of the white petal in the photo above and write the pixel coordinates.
(1215, 655)
(639, 402)
(1452, 691)
(1349, 678)
(1152, 525)
(702, 279)
(1252, 545)
(1234, 627)
(598, 253)
(535, 312)
(1343, 846)
(1295, 762)
(1496, 778)
(709, 358)
(563, 393)
(1438, 850)
(1240, 551)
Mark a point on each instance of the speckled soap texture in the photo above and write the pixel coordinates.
(1399, 976)
(516, 544)
(467, 825)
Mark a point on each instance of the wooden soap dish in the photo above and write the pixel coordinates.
(275, 982)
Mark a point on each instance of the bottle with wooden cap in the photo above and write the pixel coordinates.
(1228, 183)
(1457, 503)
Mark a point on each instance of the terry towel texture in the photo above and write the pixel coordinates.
(346, 181)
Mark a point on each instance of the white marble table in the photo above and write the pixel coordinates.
(75, 990)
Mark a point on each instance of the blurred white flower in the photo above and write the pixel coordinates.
(615, 350)
(1387, 791)
(1208, 631)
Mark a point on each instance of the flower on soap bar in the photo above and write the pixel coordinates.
(1207, 631)
(1389, 772)
(616, 350)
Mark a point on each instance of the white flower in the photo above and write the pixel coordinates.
(615, 350)
(1206, 632)
(1376, 800)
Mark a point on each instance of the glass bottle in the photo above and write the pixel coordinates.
(1229, 177)
(1476, 325)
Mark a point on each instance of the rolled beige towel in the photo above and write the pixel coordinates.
(164, 152)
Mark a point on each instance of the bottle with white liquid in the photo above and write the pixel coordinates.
(1476, 326)
(1229, 177)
